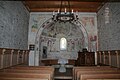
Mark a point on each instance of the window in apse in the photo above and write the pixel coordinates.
(63, 44)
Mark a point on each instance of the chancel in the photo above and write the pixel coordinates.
(60, 39)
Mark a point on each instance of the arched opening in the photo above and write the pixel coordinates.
(63, 44)
(51, 32)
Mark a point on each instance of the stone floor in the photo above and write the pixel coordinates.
(63, 75)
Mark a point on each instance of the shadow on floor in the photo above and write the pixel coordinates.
(63, 76)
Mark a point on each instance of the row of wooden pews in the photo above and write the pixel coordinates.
(96, 73)
(27, 73)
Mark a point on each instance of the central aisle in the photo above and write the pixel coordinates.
(63, 75)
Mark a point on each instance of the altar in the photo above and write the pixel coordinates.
(49, 62)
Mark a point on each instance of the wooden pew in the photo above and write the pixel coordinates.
(100, 77)
(7, 75)
(75, 69)
(50, 68)
(96, 72)
(32, 69)
(21, 79)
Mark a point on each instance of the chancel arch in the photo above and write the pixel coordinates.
(49, 35)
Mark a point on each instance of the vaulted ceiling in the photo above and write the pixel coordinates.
(54, 5)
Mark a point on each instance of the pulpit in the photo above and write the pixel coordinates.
(85, 58)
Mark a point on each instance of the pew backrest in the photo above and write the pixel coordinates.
(21, 79)
(42, 71)
(76, 69)
(99, 76)
(24, 75)
(95, 72)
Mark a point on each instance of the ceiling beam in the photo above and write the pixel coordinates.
(56, 9)
(73, 0)
(54, 5)
(58, 3)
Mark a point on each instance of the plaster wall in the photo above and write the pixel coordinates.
(109, 34)
(37, 19)
(14, 21)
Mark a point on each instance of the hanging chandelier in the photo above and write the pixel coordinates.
(65, 16)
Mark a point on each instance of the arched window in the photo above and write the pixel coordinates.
(63, 44)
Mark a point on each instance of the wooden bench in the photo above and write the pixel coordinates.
(46, 70)
(42, 71)
(78, 70)
(33, 67)
(21, 79)
(75, 69)
(95, 72)
(100, 77)
(50, 68)
(7, 76)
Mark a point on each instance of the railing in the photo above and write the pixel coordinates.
(11, 57)
(111, 58)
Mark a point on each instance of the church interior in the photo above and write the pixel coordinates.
(60, 40)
